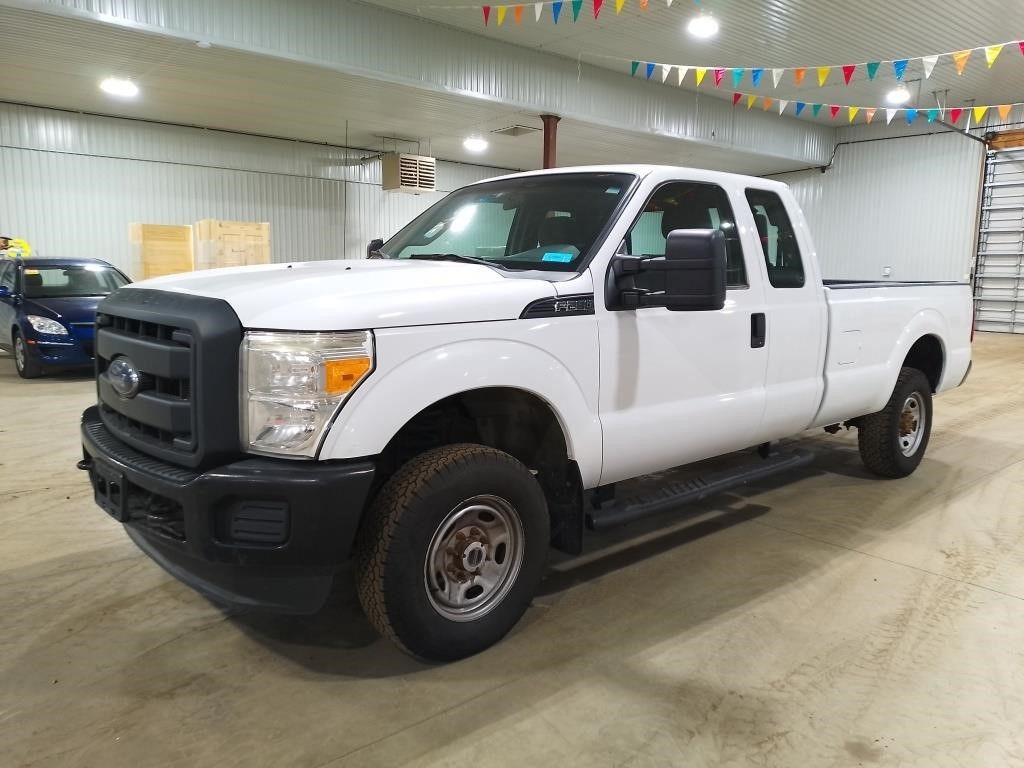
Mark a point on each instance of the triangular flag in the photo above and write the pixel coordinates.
(782, 105)
(517, 12)
(815, 109)
(502, 10)
(1021, 44)
(597, 7)
(699, 74)
(737, 77)
(665, 70)
(899, 67)
(576, 6)
(869, 114)
(848, 70)
(979, 112)
(954, 115)
(928, 62)
(1004, 111)
(556, 10)
(833, 110)
(643, 5)
(736, 98)
(755, 76)
(852, 112)
(618, 5)
(682, 74)
(719, 74)
(992, 53)
(487, 14)
(889, 115)
(911, 116)
(768, 101)
(777, 77)
(823, 75)
(798, 76)
(634, 66)
(960, 59)
(751, 98)
(872, 69)
(650, 70)
(800, 107)
(538, 9)
(933, 115)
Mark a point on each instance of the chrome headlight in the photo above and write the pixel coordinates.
(294, 383)
(46, 325)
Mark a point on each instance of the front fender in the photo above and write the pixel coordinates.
(419, 367)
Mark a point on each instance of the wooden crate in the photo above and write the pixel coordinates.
(160, 249)
(231, 243)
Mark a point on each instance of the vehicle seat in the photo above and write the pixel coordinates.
(557, 230)
(33, 282)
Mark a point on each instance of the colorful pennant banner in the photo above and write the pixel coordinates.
(501, 11)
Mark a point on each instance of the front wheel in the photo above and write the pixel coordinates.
(27, 367)
(452, 550)
(893, 441)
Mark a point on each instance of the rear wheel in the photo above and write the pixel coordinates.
(452, 550)
(27, 367)
(893, 441)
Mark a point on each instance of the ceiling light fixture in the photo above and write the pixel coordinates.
(703, 26)
(898, 95)
(120, 87)
(475, 144)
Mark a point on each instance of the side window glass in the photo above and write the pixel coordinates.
(778, 239)
(687, 205)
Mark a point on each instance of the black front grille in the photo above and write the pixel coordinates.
(185, 350)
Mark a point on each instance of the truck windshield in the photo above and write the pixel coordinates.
(63, 280)
(537, 222)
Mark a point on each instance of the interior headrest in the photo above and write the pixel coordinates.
(33, 281)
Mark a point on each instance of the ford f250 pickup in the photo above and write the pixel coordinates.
(446, 410)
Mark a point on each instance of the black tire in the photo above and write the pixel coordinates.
(884, 448)
(405, 521)
(26, 367)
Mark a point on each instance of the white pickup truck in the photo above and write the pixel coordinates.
(446, 410)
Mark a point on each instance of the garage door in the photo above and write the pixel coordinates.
(999, 269)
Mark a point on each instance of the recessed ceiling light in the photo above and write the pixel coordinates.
(117, 86)
(703, 26)
(475, 144)
(898, 95)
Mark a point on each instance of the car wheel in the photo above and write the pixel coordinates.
(452, 550)
(27, 367)
(892, 442)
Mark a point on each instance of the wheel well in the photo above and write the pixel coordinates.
(926, 356)
(510, 420)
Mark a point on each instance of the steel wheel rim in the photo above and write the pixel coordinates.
(912, 424)
(19, 353)
(474, 558)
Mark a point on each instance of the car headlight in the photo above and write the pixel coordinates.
(294, 383)
(46, 325)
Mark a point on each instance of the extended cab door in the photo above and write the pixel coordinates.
(795, 311)
(681, 386)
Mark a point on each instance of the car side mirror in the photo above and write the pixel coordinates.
(690, 277)
(373, 249)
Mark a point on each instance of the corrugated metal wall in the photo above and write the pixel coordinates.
(73, 183)
(908, 203)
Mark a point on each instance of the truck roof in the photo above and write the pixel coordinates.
(643, 170)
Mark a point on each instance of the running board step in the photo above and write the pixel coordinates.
(674, 495)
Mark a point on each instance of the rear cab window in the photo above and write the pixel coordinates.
(778, 239)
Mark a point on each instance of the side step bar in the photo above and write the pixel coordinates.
(674, 495)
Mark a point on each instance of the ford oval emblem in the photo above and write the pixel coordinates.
(124, 377)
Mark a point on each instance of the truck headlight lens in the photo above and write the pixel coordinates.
(46, 325)
(294, 383)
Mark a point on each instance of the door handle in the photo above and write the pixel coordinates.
(758, 330)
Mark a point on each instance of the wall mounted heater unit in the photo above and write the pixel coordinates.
(408, 173)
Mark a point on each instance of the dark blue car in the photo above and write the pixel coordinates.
(48, 310)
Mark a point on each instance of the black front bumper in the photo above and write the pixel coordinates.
(266, 533)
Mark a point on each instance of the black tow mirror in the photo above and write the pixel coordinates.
(690, 277)
(373, 249)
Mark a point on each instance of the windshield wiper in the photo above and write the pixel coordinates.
(455, 257)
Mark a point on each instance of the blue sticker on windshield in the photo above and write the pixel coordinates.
(564, 258)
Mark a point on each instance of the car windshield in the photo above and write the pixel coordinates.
(534, 222)
(62, 280)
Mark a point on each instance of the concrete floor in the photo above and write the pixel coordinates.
(834, 620)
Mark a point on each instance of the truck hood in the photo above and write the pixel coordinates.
(357, 294)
